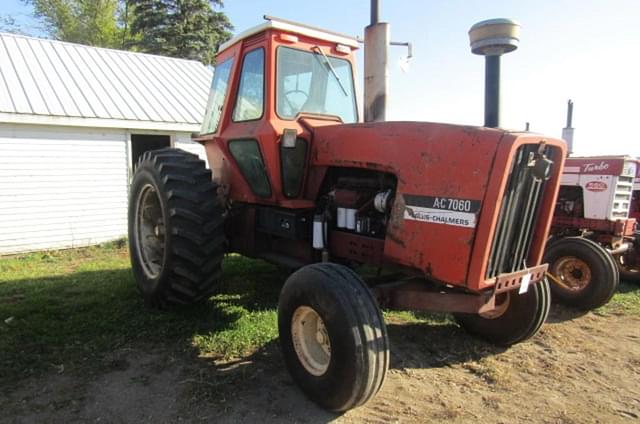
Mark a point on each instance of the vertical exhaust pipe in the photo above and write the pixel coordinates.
(376, 67)
(567, 132)
(492, 39)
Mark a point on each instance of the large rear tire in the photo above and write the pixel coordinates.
(332, 335)
(176, 235)
(517, 317)
(583, 274)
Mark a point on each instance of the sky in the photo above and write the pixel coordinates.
(584, 50)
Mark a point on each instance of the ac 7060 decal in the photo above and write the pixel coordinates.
(442, 210)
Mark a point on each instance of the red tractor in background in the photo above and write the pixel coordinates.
(296, 179)
(593, 230)
(629, 261)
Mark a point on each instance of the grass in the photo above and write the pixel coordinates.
(625, 302)
(68, 309)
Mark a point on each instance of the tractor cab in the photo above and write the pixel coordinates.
(268, 81)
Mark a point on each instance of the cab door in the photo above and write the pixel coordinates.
(244, 136)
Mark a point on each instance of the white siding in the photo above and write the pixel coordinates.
(61, 187)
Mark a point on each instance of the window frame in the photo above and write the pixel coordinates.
(264, 86)
(293, 118)
(227, 91)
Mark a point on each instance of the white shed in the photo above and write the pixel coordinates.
(73, 121)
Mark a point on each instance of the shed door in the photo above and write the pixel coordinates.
(141, 143)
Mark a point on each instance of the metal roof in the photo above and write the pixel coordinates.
(293, 27)
(53, 82)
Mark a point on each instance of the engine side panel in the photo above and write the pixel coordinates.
(442, 177)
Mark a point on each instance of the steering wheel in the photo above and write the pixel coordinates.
(296, 91)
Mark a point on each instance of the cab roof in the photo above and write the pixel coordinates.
(295, 28)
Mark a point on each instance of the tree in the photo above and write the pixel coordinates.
(8, 24)
(190, 29)
(151, 24)
(90, 22)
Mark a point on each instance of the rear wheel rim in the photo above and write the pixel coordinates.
(574, 273)
(150, 231)
(311, 340)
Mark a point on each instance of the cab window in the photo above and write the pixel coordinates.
(315, 83)
(250, 100)
(247, 155)
(217, 95)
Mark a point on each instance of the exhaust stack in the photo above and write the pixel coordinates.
(376, 69)
(493, 38)
(567, 132)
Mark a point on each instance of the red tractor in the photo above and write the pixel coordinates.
(629, 260)
(592, 230)
(296, 179)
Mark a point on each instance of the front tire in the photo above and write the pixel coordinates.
(517, 317)
(176, 236)
(332, 336)
(583, 274)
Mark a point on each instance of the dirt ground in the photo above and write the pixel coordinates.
(578, 369)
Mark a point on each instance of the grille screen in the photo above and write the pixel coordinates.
(519, 211)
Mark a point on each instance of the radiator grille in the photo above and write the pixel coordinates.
(622, 197)
(519, 211)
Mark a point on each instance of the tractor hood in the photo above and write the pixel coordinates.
(450, 182)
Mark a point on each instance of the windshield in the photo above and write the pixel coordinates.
(315, 83)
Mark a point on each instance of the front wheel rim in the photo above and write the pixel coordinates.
(311, 340)
(150, 231)
(503, 300)
(574, 273)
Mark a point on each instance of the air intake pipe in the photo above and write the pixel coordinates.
(493, 38)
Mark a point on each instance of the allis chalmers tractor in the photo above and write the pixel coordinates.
(592, 231)
(296, 179)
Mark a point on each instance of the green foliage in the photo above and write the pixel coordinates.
(90, 22)
(189, 29)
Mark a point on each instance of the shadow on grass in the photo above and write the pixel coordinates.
(76, 320)
(435, 345)
(625, 300)
(629, 287)
(560, 313)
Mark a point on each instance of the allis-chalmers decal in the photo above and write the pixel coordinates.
(441, 210)
(596, 186)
